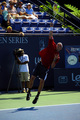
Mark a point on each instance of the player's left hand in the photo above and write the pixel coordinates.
(56, 57)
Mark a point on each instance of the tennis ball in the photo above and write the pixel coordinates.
(58, 6)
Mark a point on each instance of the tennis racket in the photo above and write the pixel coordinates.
(56, 9)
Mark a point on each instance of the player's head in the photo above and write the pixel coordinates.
(59, 46)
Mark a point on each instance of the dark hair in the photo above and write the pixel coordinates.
(11, 3)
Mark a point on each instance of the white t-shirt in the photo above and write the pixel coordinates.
(25, 67)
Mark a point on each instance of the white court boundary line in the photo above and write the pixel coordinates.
(42, 106)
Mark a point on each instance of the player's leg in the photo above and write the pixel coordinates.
(34, 74)
(30, 86)
(31, 81)
(42, 75)
(41, 85)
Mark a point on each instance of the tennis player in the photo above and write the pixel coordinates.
(49, 57)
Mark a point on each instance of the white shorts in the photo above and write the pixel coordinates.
(24, 76)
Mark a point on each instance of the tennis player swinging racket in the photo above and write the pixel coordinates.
(49, 57)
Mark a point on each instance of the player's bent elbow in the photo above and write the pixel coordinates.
(52, 66)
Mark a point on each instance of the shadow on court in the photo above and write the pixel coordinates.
(56, 112)
(14, 98)
(25, 109)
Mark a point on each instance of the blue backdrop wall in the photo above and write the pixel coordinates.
(31, 45)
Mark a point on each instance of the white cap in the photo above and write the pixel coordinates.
(29, 4)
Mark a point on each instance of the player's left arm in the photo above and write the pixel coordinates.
(53, 64)
(55, 61)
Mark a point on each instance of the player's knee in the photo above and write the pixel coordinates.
(32, 78)
(41, 81)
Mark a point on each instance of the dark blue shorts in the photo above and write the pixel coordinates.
(40, 71)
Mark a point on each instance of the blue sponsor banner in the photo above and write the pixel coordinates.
(67, 79)
(72, 56)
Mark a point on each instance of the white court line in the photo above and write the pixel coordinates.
(41, 106)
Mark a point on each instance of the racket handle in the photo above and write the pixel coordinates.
(51, 24)
(51, 28)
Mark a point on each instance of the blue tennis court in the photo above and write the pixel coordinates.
(53, 112)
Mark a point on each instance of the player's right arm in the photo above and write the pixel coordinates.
(51, 32)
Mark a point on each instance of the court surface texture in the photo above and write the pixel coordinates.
(63, 105)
